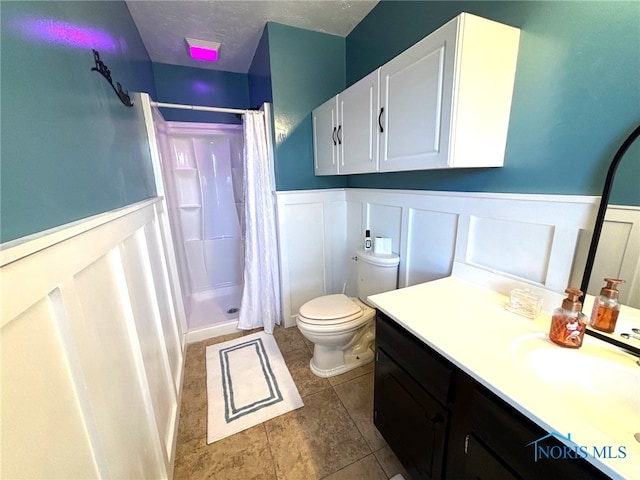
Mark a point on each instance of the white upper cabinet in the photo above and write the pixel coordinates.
(446, 100)
(444, 103)
(345, 130)
(325, 143)
(358, 128)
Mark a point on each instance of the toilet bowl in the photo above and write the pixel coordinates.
(342, 328)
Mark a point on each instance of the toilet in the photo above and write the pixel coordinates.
(342, 328)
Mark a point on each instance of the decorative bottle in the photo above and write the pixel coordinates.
(568, 322)
(367, 241)
(606, 307)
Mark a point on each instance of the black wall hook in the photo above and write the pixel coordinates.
(102, 69)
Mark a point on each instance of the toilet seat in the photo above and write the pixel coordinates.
(329, 310)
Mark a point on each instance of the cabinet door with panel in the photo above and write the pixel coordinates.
(325, 143)
(482, 464)
(411, 421)
(446, 101)
(416, 98)
(358, 126)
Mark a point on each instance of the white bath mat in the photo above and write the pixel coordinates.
(247, 384)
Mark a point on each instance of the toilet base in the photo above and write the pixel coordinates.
(349, 364)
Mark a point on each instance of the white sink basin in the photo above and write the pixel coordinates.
(603, 374)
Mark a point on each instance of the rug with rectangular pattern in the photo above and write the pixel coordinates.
(247, 384)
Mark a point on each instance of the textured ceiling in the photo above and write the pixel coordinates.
(236, 24)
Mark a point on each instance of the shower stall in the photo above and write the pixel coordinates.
(202, 173)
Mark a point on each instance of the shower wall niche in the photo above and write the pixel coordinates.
(203, 174)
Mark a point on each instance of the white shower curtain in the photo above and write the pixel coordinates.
(260, 306)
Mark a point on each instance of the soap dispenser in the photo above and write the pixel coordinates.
(568, 322)
(606, 307)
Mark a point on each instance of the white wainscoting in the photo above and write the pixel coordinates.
(532, 238)
(92, 350)
(312, 233)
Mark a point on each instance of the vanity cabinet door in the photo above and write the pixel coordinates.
(482, 464)
(413, 424)
(432, 372)
(509, 434)
(325, 143)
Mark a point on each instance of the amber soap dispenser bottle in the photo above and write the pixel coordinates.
(606, 307)
(568, 322)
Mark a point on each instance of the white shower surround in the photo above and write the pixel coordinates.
(202, 175)
(207, 201)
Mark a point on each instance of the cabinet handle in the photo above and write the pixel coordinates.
(339, 137)
(333, 136)
(466, 445)
(380, 120)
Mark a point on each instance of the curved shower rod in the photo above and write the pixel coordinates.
(237, 111)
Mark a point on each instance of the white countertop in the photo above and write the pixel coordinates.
(512, 356)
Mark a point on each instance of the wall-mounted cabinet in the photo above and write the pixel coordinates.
(443, 103)
(345, 130)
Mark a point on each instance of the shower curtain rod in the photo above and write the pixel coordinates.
(202, 109)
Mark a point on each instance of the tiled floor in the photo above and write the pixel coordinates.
(332, 437)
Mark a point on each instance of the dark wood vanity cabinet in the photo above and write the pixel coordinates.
(411, 394)
(412, 422)
(442, 424)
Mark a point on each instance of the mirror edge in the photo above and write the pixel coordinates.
(597, 230)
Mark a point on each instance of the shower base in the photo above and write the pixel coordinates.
(214, 313)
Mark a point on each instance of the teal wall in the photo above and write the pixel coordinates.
(260, 73)
(576, 96)
(200, 86)
(307, 68)
(69, 148)
(626, 185)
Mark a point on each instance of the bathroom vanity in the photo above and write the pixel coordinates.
(467, 389)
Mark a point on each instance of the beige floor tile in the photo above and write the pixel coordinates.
(357, 397)
(297, 362)
(390, 463)
(315, 440)
(288, 339)
(242, 456)
(193, 413)
(252, 331)
(351, 374)
(366, 469)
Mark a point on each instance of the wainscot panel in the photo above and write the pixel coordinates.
(88, 312)
(536, 241)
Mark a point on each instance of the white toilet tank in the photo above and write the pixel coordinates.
(377, 273)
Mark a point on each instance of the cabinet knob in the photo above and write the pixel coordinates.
(435, 419)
